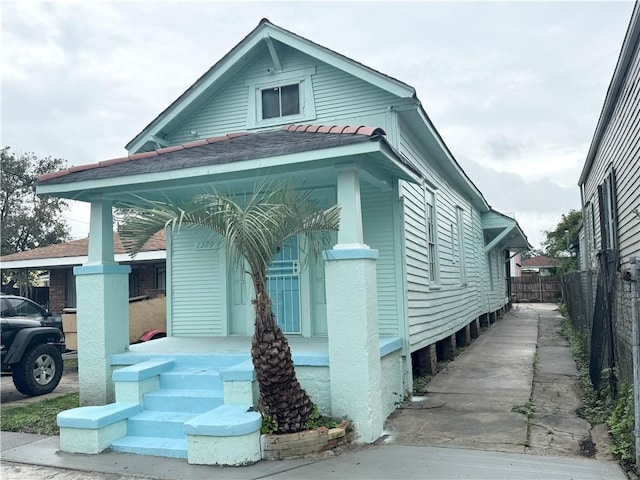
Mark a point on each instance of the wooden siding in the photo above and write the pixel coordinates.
(620, 148)
(338, 97)
(197, 287)
(437, 310)
(378, 225)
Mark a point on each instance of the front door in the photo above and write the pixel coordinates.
(283, 286)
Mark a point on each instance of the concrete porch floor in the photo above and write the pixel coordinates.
(310, 351)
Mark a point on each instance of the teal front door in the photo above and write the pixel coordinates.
(283, 286)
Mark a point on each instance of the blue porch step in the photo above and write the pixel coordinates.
(193, 379)
(150, 423)
(183, 400)
(156, 446)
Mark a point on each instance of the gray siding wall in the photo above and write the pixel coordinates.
(339, 97)
(620, 149)
(196, 286)
(439, 309)
(378, 225)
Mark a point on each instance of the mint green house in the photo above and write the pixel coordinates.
(419, 262)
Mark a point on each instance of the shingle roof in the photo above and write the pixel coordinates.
(232, 147)
(80, 248)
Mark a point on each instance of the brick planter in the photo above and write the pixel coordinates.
(308, 442)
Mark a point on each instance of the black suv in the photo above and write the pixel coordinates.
(31, 348)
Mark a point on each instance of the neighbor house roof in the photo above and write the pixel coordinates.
(233, 147)
(75, 253)
(541, 261)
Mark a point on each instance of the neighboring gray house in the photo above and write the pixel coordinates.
(610, 180)
(600, 297)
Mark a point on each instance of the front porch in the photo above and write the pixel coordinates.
(193, 398)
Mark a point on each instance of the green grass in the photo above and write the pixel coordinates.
(38, 417)
(70, 362)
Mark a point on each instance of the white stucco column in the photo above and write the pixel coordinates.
(350, 235)
(352, 317)
(102, 288)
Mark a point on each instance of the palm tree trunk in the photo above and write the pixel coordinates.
(281, 396)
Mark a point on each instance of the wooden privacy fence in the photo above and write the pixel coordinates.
(535, 288)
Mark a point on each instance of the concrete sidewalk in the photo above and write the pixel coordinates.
(468, 409)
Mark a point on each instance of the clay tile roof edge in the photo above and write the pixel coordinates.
(339, 129)
(81, 168)
(138, 156)
(174, 148)
(48, 176)
(113, 161)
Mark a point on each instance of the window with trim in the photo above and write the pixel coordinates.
(281, 101)
(461, 254)
(161, 278)
(608, 214)
(431, 234)
(282, 97)
(70, 289)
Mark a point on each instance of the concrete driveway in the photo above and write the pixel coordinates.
(515, 389)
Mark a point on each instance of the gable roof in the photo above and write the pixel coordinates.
(75, 253)
(266, 31)
(629, 47)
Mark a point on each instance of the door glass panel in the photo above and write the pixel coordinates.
(283, 286)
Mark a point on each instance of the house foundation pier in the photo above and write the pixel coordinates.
(447, 348)
(463, 336)
(475, 328)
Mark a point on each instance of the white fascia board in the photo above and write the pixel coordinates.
(201, 88)
(44, 263)
(74, 190)
(342, 63)
(449, 156)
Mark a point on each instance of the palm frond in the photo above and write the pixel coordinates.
(253, 228)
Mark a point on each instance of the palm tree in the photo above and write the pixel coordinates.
(253, 231)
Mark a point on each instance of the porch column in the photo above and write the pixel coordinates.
(352, 317)
(102, 288)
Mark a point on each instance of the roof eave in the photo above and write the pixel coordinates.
(85, 190)
(60, 262)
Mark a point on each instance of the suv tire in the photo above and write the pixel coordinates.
(39, 371)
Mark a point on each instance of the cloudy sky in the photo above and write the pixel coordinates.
(514, 88)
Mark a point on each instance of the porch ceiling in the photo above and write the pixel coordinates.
(308, 154)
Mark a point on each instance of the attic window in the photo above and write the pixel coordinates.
(281, 101)
(282, 97)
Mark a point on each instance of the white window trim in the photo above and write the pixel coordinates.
(307, 104)
(429, 193)
(462, 264)
(610, 210)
